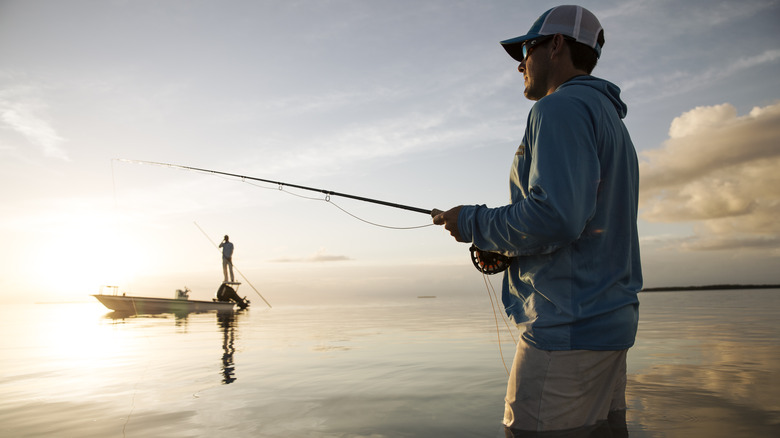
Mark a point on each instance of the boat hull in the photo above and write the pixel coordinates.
(138, 305)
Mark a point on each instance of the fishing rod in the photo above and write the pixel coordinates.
(485, 262)
(327, 193)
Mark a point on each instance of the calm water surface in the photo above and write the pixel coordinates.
(706, 364)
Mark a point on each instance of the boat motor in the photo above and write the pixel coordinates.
(227, 293)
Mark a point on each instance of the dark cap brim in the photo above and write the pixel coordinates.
(514, 46)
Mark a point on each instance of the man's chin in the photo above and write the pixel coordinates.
(530, 96)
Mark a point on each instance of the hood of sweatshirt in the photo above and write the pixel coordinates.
(608, 89)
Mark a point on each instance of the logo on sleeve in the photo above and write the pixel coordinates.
(520, 150)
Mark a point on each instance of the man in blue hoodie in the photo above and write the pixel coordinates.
(570, 230)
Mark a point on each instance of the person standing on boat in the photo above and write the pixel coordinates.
(227, 258)
(571, 230)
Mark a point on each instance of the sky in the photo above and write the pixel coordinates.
(412, 102)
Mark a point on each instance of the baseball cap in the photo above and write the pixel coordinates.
(568, 20)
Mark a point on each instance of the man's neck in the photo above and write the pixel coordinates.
(562, 76)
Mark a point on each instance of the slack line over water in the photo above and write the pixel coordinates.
(485, 262)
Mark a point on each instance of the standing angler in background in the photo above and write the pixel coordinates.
(571, 232)
(227, 258)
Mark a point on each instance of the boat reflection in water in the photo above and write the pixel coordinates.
(226, 318)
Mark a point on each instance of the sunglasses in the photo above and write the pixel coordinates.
(530, 45)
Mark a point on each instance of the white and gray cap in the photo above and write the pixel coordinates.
(572, 21)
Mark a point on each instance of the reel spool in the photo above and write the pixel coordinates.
(489, 262)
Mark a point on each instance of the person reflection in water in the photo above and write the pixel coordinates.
(613, 427)
(226, 320)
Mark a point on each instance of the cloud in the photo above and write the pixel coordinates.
(689, 17)
(23, 112)
(440, 121)
(658, 88)
(718, 171)
(318, 257)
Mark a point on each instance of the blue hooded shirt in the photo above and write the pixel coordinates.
(572, 223)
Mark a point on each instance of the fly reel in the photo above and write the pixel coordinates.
(489, 262)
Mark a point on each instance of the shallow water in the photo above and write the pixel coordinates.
(705, 365)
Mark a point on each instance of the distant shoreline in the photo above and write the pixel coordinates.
(711, 287)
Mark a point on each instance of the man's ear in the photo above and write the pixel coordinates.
(557, 46)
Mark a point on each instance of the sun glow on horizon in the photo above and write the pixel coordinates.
(79, 254)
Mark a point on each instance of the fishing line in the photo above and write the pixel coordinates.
(498, 333)
(234, 266)
(330, 201)
(489, 287)
(281, 187)
(141, 378)
(281, 184)
(503, 315)
(132, 400)
(113, 183)
(374, 223)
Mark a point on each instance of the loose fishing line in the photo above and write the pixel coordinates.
(484, 261)
(328, 193)
(489, 287)
(330, 201)
(281, 187)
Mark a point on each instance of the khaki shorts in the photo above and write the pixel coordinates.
(558, 390)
